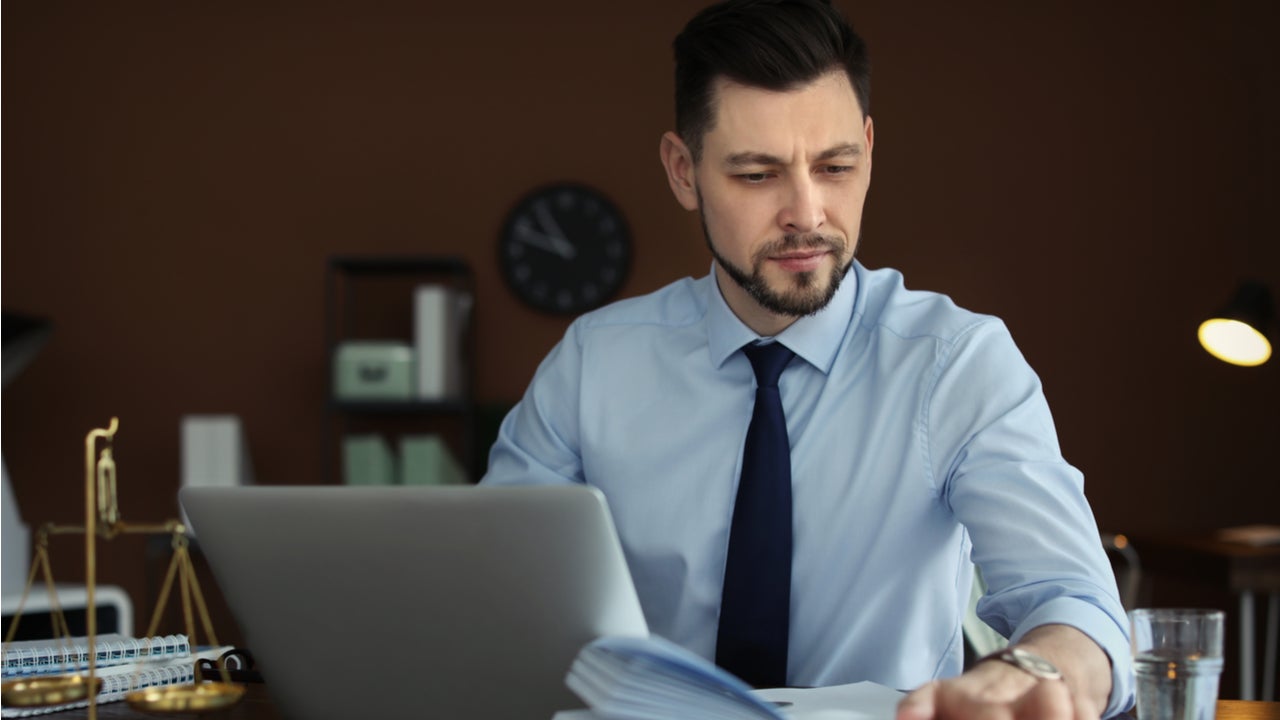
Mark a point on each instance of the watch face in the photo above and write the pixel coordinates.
(564, 249)
(1033, 664)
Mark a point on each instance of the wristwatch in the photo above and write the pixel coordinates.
(1027, 662)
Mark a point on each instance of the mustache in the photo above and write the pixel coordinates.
(802, 241)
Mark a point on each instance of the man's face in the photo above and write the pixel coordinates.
(780, 188)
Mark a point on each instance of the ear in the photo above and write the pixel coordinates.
(868, 129)
(678, 162)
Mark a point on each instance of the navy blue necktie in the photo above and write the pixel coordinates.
(755, 603)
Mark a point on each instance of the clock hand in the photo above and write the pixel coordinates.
(542, 241)
(548, 223)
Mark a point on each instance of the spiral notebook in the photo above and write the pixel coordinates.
(121, 679)
(22, 658)
(450, 601)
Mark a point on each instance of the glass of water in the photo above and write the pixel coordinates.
(1177, 655)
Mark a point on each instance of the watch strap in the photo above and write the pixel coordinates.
(1027, 662)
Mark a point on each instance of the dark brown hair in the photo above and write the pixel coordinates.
(770, 44)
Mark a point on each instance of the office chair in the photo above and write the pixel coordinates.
(1125, 565)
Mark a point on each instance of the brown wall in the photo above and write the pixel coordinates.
(1099, 174)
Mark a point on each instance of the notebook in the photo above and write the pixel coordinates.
(22, 658)
(119, 680)
(410, 602)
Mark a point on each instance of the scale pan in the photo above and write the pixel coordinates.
(46, 691)
(204, 697)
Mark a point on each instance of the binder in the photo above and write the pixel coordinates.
(440, 316)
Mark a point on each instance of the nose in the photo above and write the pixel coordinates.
(802, 210)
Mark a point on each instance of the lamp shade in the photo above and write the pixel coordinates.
(1241, 333)
(24, 335)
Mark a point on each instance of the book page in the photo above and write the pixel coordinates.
(855, 701)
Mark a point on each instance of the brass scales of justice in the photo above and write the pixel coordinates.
(102, 520)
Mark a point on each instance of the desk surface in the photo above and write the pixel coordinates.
(1248, 710)
(1207, 559)
(257, 706)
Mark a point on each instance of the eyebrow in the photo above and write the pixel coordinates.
(749, 159)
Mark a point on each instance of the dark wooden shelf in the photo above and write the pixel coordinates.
(401, 407)
(347, 317)
(399, 265)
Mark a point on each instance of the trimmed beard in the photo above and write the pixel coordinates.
(806, 296)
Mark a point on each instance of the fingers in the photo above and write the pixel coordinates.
(919, 704)
(950, 700)
(947, 700)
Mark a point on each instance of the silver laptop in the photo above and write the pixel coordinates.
(416, 602)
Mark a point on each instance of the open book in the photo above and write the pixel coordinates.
(634, 678)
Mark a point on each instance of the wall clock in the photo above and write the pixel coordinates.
(564, 249)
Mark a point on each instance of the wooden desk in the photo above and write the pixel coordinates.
(1248, 710)
(257, 706)
(1244, 570)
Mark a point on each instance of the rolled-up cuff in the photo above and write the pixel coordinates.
(1103, 629)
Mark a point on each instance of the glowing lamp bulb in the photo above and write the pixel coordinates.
(1234, 342)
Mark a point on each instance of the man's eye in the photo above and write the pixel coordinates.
(837, 169)
(754, 178)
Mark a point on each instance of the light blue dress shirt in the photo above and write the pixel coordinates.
(921, 443)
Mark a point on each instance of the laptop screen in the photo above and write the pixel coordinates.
(416, 601)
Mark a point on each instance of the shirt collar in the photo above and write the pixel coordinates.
(816, 338)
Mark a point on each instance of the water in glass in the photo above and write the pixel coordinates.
(1173, 686)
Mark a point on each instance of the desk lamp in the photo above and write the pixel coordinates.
(1241, 332)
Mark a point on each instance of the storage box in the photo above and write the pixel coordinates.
(367, 460)
(427, 460)
(373, 370)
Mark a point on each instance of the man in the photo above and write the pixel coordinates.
(918, 437)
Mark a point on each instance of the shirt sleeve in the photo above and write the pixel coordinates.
(538, 441)
(994, 455)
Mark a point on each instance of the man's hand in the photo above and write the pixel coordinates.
(995, 690)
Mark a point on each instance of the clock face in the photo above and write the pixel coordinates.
(564, 249)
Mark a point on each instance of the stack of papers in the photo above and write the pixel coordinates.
(646, 678)
(630, 678)
(119, 680)
(21, 658)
